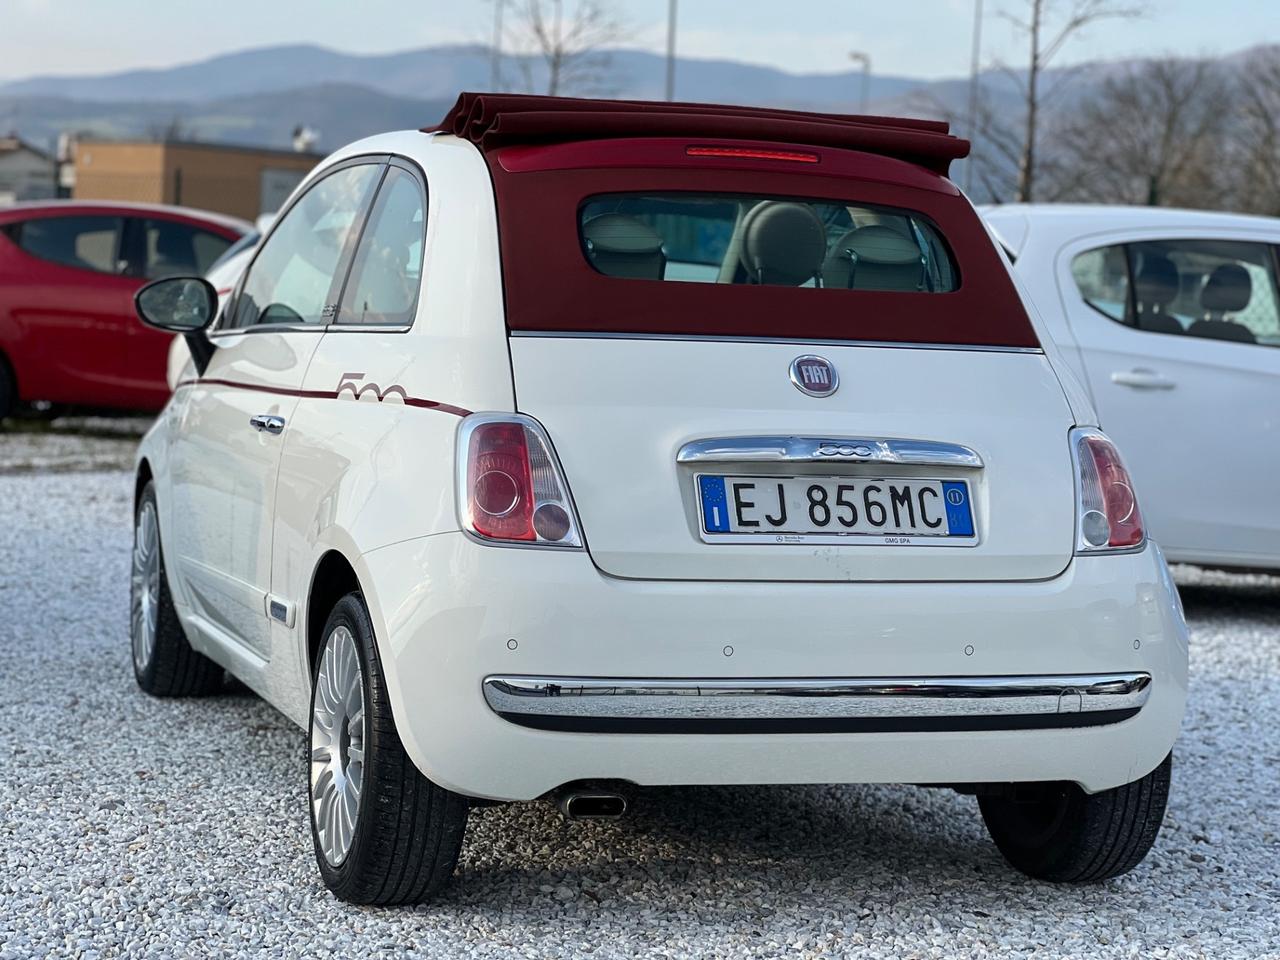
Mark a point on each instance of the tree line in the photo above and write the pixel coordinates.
(1190, 132)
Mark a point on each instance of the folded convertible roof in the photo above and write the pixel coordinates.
(492, 120)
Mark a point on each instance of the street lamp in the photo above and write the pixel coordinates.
(671, 50)
(495, 51)
(865, 60)
(974, 64)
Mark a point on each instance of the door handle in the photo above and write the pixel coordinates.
(1142, 379)
(267, 422)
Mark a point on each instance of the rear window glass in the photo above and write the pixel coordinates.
(86, 242)
(764, 240)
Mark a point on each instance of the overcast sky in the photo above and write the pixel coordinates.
(923, 38)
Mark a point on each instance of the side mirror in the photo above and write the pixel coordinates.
(177, 304)
(185, 305)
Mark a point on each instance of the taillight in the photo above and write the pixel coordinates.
(510, 487)
(1107, 512)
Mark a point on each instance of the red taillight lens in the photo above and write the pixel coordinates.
(510, 485)
(499, 486)
(1108, 512)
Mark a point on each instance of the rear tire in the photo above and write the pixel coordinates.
(163, 661)
(1057, 832)
(8, 389)
(383, 833)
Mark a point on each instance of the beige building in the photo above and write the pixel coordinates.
(240, 181)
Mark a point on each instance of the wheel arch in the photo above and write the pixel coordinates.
(141, 479)
(334, 577)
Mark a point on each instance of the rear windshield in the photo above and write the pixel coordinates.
(850, 247)
(764, 240)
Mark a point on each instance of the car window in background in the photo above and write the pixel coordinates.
(1226, 289)
(1218, 289)
(250, 239)
(733, 239)
(172, 249)
(87, 243)
(1102, 277)
(290, 279)
(386, 272)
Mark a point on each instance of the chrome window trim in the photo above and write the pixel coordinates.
(793, 341)
(772, 449)
(815, 698)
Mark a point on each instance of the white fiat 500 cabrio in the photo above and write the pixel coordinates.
(575, 445)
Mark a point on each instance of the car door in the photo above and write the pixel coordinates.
(342, 442)
(70, 303)
(156, 247)
(236, 415)
(1179, 337)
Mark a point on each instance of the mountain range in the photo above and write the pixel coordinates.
(258, 96)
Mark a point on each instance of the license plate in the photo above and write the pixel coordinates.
(897, 511)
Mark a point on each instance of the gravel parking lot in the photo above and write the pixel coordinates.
(131, 826)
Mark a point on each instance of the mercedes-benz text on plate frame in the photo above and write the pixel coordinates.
(892, 511)
(816, 376)
(570, 523)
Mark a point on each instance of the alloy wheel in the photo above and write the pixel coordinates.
(337, 745)
(144, 606)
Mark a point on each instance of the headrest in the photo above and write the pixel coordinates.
(1157, 282)
(1229, 288)
(616, 233)
(879, 244)
(1222, 330)
(782, 242)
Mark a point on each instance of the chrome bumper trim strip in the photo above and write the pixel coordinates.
(873, 703)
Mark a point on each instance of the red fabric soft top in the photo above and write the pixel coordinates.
(495, 120)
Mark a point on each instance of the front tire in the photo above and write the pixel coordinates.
(163, 662)
(383, 833)
(1057, 832)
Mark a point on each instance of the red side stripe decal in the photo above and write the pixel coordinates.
(330, 394)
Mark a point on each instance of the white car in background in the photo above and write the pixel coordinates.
(465, 483)
(1172, 320)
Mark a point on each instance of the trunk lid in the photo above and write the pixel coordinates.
(620, 409)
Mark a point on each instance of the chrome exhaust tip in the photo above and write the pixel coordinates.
(592, 805)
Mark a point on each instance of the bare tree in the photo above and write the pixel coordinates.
(168, 131)
(1257, 189)
(568, 38)
(1047, 25)
(1151, 135)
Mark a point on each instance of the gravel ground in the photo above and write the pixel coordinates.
(131, 826)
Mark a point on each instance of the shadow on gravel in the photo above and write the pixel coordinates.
(1259, 599)
(727, 852)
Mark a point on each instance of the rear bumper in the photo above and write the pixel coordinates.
(450, 614)
(851, 705)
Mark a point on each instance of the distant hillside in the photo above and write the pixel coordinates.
(441, 72)
(341, 113)
(258, 96)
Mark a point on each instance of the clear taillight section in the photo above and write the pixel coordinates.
(1107, 512)
(510, 486)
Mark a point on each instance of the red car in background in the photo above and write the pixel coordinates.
(68, 273)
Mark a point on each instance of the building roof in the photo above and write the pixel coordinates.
(13, 143)
(201, 145)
